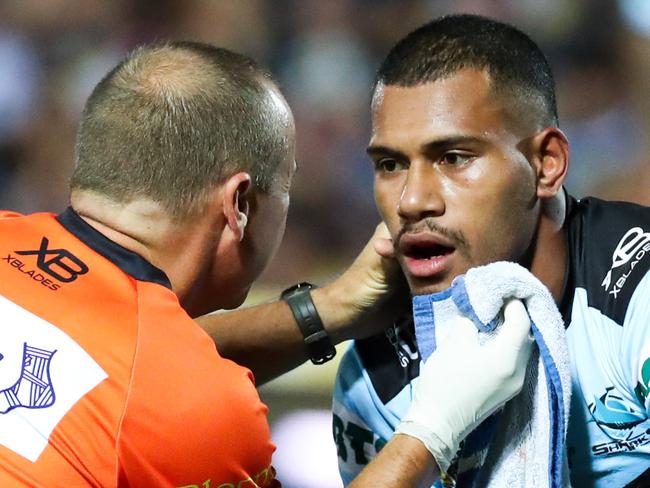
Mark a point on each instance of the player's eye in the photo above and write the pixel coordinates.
(387, 165)
(455, 158)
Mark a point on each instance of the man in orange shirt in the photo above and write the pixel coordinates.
(179, 196)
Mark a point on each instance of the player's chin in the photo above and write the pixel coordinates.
(427, 285)
(422, 286)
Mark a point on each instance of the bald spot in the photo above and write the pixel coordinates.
(167, 73)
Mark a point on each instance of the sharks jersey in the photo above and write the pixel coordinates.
(606, 307)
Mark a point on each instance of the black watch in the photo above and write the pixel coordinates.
(317, 341)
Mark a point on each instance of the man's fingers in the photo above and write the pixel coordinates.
(381, 231)
(463, 331)
(516, 326)
(382, 242)
(384, 247)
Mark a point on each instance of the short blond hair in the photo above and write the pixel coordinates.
(171, 121)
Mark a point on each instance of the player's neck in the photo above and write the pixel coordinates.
(549, 257)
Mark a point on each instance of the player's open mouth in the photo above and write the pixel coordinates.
(425, 255)
(428, 251)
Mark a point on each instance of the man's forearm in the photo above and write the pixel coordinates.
(403, 463)
(266, 338)
(367, 298)
(263, 338)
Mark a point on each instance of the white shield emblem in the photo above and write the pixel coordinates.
(43, 373)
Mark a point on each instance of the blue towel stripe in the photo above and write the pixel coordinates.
(556, 410)
(461, 299)
(424, 317)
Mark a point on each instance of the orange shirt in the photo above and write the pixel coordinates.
(105, 380)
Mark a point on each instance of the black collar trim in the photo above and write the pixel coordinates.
(131, 263)
(568, 288)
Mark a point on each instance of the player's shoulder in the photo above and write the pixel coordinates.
(387, 361)
(609, 251)
(598, 214)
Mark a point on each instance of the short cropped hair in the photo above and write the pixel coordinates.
(173, 120)
(517, 67)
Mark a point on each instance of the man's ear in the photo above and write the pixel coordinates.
(551, 153)
(236, 206)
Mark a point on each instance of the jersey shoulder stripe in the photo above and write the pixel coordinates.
(609, 253)
(390, 359)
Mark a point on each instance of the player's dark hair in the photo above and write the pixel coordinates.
(438, 49)
(171, 121)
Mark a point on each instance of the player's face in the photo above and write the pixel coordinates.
(452, 180)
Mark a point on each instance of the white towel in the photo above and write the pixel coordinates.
(524, 444)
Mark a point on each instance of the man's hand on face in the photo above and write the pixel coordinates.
(369, 296)
(462, 383)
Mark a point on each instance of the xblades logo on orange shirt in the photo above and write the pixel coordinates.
(60, 264)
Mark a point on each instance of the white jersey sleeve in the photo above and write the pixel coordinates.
(369, 401)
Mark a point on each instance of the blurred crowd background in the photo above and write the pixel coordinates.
(323, 53)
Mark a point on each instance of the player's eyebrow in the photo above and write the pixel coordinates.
(384, 151)
(449, 142)
(428, 147)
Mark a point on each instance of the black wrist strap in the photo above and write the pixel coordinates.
(317, 341)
